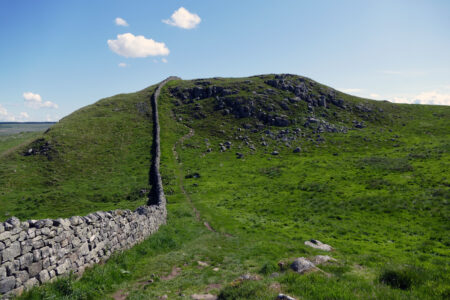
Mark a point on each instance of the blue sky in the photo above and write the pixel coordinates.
(55, 56)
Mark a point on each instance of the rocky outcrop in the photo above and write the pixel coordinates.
(36, 251)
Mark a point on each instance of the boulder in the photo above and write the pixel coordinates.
(320, 259)
(318, 245)
(302, 265)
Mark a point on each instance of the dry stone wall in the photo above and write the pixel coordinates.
(36, 251)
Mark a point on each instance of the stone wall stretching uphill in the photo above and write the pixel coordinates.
(33, 252)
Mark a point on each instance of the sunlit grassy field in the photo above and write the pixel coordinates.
(378, 195)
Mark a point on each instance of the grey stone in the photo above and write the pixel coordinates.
(2, 273)
(62, 268)
(31, 283)
(15, 222)
(5, 235)
(62, 222)
(297, 150)
(8, 226)
(45, 252)
(35, 268)
(320, 259)
(37, 244)
(11, 252)
(43, 223)
(46, 263)
(23, 276)
(44, 276)
(36, 255)
(275, 153)
(84, 249)
(318, 245)
(302, 265)
(7, 284)
(25, 260)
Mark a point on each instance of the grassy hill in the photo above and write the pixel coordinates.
(267, 163)
(95, 159)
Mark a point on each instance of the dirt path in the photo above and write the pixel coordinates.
(180, 179)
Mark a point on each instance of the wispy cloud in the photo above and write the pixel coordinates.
(182, 18)
(164, 60)
(129, 45)
(24, 115)
(121, 22)
(404, 72)
(35, 101)
(5, 116)
(430, 97)
(351, 90)
(122, 65)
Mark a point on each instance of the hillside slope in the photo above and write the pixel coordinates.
(254, 167)
(95, 159)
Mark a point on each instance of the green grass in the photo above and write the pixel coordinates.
(9, 143)
(98, 159)
(378, 195)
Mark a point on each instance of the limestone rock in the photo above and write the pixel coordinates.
(302, 265)
(7, 284)
(11, 252)
(318, 245)
(320, 259)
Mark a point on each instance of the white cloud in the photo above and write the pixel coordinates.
(351, 91)
(35, 101)
(184, 19)
(129, 45)
(24, 115)
(5, 116)
(435, 97)
(122, 65)
(3, 111)
(431, 97)
(164, 60)
(121, 22)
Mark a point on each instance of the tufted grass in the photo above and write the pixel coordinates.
(377, 195)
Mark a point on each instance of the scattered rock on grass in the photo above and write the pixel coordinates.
(202, 263)
(318, 245)
(204, 297)
(320, 259)
(249, 277)
(285, 297)
(302, 265)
